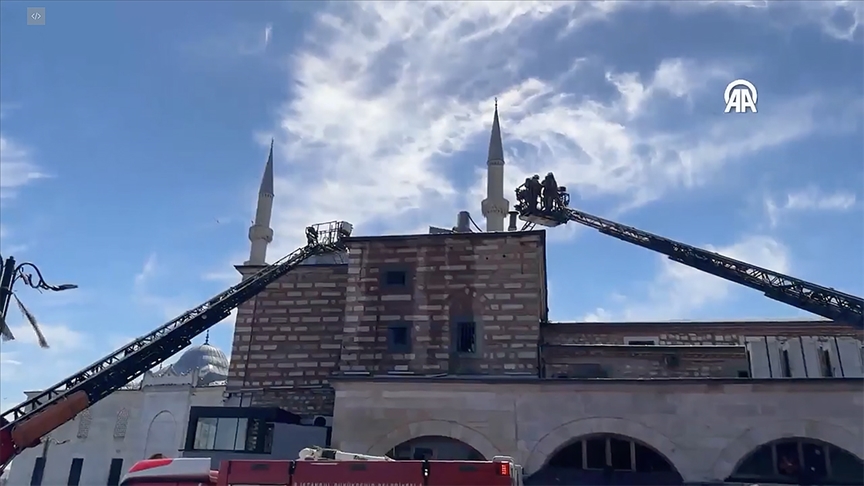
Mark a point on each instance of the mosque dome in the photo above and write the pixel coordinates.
(210, 361)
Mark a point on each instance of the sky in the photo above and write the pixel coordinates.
(134, 136)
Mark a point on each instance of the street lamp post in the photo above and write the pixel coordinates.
(13, 272)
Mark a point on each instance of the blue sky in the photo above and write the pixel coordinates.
(134, 136)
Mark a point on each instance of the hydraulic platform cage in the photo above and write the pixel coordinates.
(332, 232)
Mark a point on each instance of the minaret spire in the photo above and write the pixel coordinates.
(267, 180)
(495, 206)
(207, 337)
(496, 147)
(260, 234)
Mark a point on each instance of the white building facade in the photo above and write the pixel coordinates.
(134, 423)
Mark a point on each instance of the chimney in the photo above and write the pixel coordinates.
(463, 222)
(512, 226)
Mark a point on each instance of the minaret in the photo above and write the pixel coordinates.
(495, 206)
(260, 234)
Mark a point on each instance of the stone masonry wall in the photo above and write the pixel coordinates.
(616, 361)
(694, 333)
(496, 281)
(287, 340)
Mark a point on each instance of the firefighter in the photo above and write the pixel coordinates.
(550, 192)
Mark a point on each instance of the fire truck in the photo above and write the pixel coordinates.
(325, 467)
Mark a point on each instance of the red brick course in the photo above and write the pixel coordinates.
(287, 340)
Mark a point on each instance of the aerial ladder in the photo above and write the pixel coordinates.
(547, 204)
(324, 454)
(23, 426)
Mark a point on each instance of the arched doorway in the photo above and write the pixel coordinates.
(435, 447)
(161, 435)
(606, 459)
(799, 461)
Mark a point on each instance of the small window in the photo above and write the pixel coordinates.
(825, 363)
(785, 366)
(75, 472)
(641, 341)
(743, 374)
(38, 472)
(395, 278)
(399, 338)
(115, 471)
(466, 338)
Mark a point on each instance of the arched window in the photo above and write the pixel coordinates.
(605, 452)
(84, 420)
(799, 461)
(435, 447)
(121, 423)
(606, 459)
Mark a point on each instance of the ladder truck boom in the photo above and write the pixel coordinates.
(322, 454)
(547, 204)
(24, 425)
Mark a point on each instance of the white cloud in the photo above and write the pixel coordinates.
(60, 336)
(678, 291)
(385, 94)
(147, 271)
(242, 41)
(7, 245)
(268, 35)
(840, 19)
(808, 199)
(168, 307)
(23, 364)
(226, 274)
(6, 359)
(16, 168)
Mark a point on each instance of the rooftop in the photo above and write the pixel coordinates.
(444, 236)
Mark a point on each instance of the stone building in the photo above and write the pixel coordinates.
(143, 419)
(440, 346)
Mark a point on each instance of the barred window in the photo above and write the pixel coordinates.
(466, 338)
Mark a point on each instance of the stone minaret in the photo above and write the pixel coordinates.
(260, 234)
(495, 206)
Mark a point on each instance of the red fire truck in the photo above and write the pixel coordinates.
(325, 467)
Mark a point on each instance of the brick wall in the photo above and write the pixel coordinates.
(715, 332)
(621, 361)
(496, 281)
(287, 340)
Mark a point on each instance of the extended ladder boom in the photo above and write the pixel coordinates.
(24, 425)
(553, 210)
(321, 454)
